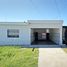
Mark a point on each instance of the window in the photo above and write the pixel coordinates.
(14, 33)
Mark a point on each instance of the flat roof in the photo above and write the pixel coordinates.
(64, 26)
(33, 21)
(13, 23)
(45, 21)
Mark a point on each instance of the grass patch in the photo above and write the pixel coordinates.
(14, 56)
(65, 50)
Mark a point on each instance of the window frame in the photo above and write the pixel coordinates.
(16, 31)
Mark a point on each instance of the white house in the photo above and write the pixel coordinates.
(26, 33)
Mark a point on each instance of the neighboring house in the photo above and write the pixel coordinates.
(31, 32)
(64, 32)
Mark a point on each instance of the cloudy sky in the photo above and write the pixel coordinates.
(23, 10)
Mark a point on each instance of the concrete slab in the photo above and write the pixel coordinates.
(52, 57)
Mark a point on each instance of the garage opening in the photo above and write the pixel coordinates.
(44, 36)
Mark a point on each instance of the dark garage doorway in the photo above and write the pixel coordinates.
(38, 40)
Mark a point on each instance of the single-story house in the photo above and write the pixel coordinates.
(32, 32)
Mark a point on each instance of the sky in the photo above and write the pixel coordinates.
(23, 10)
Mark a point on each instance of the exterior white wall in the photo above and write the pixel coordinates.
(61, 43)
(24, 35)
(25, 31)
(45, 25)
(32, 35)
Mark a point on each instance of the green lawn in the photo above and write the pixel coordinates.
(65, 49)
(14, 56)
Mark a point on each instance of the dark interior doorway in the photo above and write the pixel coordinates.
(35, 36)
(47, 36)
(47, 41)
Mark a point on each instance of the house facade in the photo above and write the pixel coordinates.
(31, 32)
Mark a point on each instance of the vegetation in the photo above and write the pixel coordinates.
(14, 56)
(65, 50)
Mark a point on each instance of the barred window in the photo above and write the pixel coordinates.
(13, 33)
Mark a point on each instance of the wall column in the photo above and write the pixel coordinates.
(60, 43)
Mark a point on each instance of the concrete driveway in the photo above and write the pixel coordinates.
(52, 57)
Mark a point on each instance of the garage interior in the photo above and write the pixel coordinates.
(44, 36)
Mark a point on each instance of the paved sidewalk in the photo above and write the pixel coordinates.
(52, 57)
